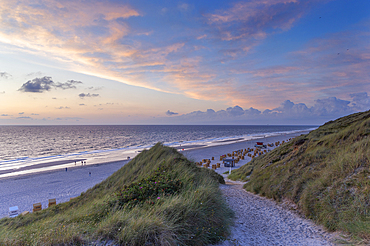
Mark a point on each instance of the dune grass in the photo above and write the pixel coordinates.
(326, 173)
(158, 198)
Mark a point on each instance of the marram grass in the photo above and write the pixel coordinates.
(158, 198)
(326, 173)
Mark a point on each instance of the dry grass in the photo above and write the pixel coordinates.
(326, 173)
(195, 215)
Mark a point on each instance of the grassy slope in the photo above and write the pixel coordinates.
(195, 215)
(326, 173)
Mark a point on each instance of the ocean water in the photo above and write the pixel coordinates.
(30, 145)
(20, 142)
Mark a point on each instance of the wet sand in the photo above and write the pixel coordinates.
(42, 165)
(25, 190)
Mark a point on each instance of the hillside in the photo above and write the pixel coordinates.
(325, 173)
(158, 198)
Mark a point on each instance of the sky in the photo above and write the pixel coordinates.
(251, 62)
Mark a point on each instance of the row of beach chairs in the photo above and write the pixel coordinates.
(38, 206)
(230, 159)
(14, 211)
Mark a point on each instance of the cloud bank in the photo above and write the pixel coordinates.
(287, 113)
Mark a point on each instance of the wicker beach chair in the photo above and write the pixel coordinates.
(52, 202)
(37, 207)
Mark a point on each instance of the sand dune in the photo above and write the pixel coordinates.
(24, 190)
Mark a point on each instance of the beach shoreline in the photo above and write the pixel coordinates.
(25, 190)
(36, 164)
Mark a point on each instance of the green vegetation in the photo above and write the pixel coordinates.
(158, 198)
(326, 173)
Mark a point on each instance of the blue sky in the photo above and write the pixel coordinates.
(183, 62)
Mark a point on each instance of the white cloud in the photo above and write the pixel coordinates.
(5, 75)
(170, 113)
(360, 101)
(331, 106)
(83, 95)
(39, 85)
(61, 107)
(183, 6)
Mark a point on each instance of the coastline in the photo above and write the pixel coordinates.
(27, 166)
(27, 189)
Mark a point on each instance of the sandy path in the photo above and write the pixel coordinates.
(260, 221)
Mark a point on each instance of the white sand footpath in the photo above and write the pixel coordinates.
(259, 221)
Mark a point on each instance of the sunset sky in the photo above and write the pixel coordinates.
(183, 62)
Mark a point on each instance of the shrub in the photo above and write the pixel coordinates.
(148, 190)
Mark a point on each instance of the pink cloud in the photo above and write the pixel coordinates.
(273, 71)
(246, 19)
(63, 29)
(244, 11)
(337, 64)
(96, 38)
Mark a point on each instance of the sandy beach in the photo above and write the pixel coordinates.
(25, 190)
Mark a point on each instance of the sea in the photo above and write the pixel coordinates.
(24, 146)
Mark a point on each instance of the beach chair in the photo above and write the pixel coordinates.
(52, 202)
(13, 211)
(37, 207)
